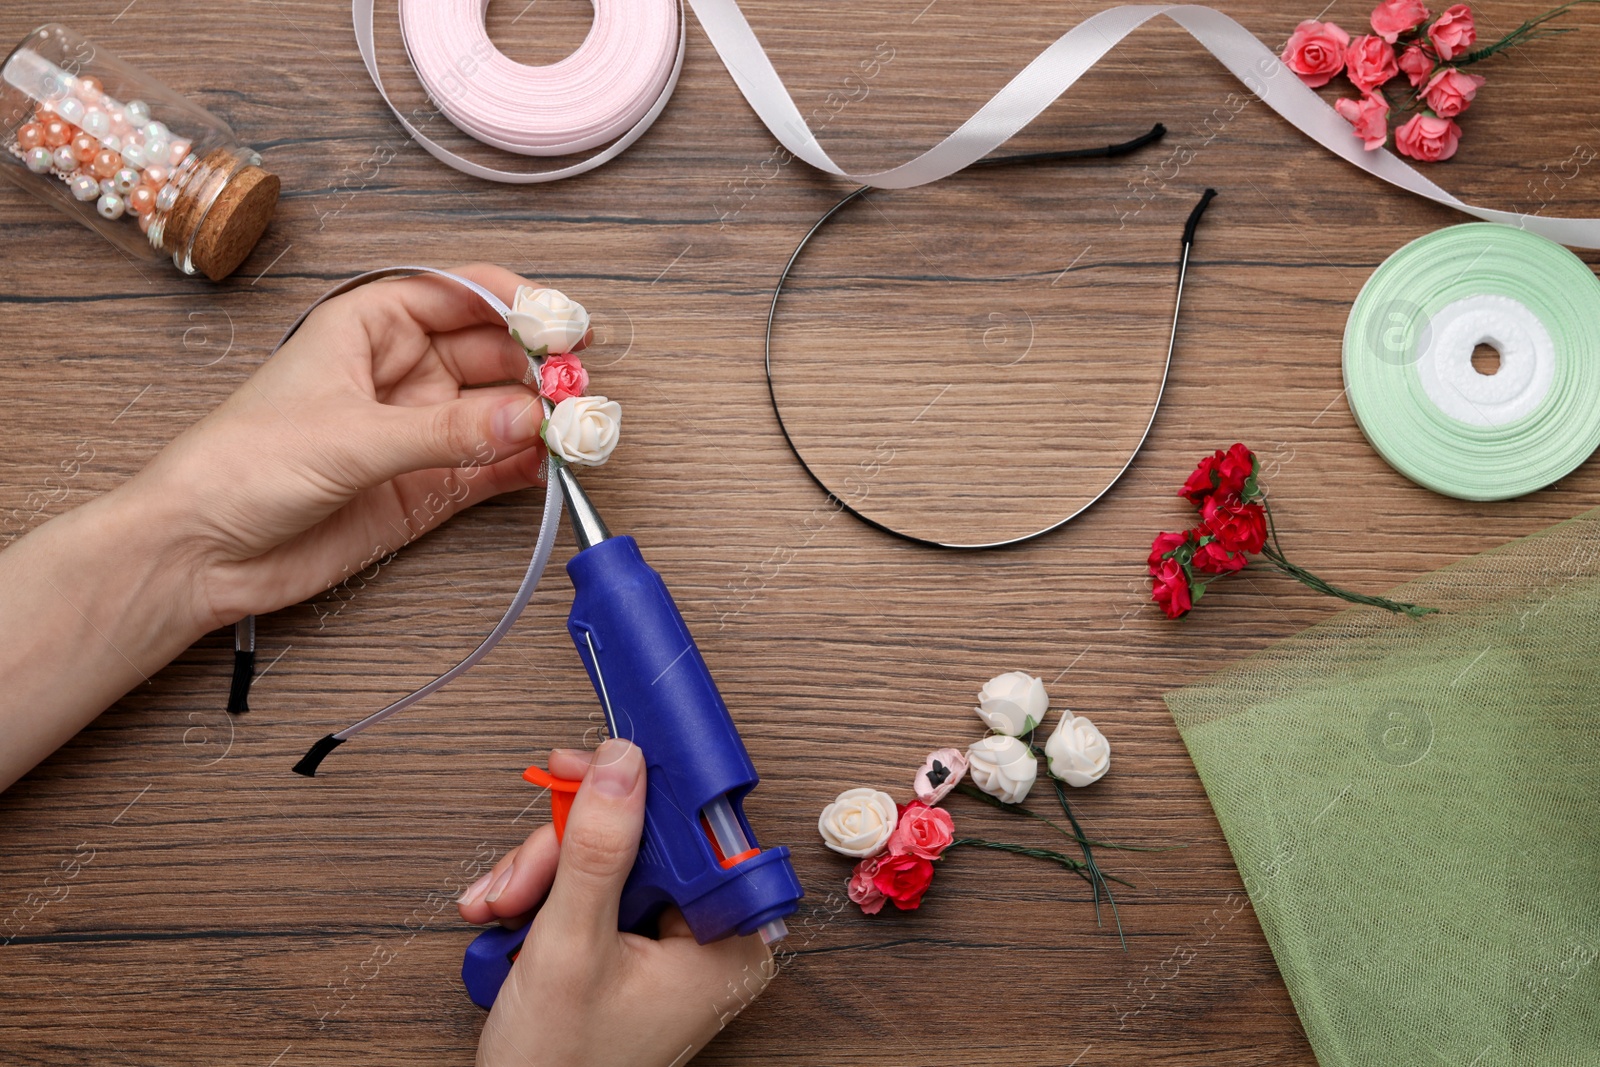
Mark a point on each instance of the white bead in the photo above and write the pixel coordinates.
(60, 85)
(71, 109)
(125, 180)
(96, 123)
(111, 143)
(157, 129)
(84, 187)
(39, 160)
(133, 156)
(138, 112)
(64, 160)
(108, 187)
(110, 207)
(167, 197)
(156, 149)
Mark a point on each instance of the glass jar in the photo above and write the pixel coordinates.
(151, 172)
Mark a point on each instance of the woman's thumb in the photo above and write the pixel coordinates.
(600, 842)
(476, 430)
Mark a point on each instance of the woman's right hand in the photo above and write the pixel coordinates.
(581, 993)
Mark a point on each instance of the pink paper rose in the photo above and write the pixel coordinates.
(1417, 64)
(863, 890)
(1369, 61)
(1453, 32)
(1369, 116)
(1393, 17)
(939, 773)
(562, 376)
(922, 831)
(1450, 91)
(1315, 51)
(1428, 138)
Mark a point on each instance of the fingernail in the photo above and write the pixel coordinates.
(475, 890)
(616, 768)
(498, 886)
(516, 422)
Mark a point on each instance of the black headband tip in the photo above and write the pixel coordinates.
(314, 755)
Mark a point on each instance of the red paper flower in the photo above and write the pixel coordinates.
(1225, 474)
(1170, 589)
(1369, 116)
(922, 831)
(1449, 92)
(1164, 545)
(1454, 32)
(1236, 527)
(1428, 138)
(562, 376)
(1315, 51)
(1369, 62)
(863, 890)
(903, 879)
(1212, 558)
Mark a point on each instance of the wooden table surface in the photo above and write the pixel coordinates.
(975, 358)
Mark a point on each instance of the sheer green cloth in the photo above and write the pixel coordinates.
(1414, 806)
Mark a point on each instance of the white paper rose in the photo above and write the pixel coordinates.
(1012, 703)
(584, 429)
(1078, 752)
(1003, 767)
(545, 322)
(858, 823)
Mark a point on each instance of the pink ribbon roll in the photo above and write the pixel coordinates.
(611, 89)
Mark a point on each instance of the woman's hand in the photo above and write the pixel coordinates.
(581, 994)
(364, 431)
(392, 407)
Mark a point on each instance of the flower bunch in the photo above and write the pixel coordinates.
(1235, 523)
(1428, 49)
(551, 328)
(896, 846)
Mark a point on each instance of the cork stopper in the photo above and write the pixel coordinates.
(235, 222)
(221, 212)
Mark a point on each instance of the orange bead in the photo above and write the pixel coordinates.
(85, 147)
(142, 200)
(106, 163)
(156, 175)
(31, 135)
(58, 132)
(144, 223)
(90, 91)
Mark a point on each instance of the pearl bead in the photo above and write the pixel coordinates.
(110, 207)
(157, 148)
(38, 160)
(64, 160)
(117, 115)
(106, 163)
(57, 133)
(180, 152)
(144, 223)
(71, 109)
(31, 135)
(166, 197)
(58, 85)
(133, 156)
(156, 175)
(157, 129)
(138, 112)
(89, 91)
(125, 180)
(96, 123)
(84, 147)
(142, 200)
(84, 187)
(108, 187)
(111, 143)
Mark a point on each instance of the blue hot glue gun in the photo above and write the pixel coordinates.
(698, 851)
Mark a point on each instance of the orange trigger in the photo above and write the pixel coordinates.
(562, 791)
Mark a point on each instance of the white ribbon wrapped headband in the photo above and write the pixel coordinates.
(453, 74)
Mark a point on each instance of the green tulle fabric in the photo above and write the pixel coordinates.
(1414, 806)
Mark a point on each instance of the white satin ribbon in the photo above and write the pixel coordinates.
(1033, 89)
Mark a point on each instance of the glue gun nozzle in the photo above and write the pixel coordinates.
(587, 526)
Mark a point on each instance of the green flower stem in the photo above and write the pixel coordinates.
(1273, 553)
(1097, 882)
(1526, 33)
(1075, 866)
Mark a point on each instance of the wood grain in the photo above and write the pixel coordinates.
(222, 910)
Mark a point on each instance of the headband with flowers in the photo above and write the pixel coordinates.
(551, 328)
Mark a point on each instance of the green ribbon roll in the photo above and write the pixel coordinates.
(1408, 370)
